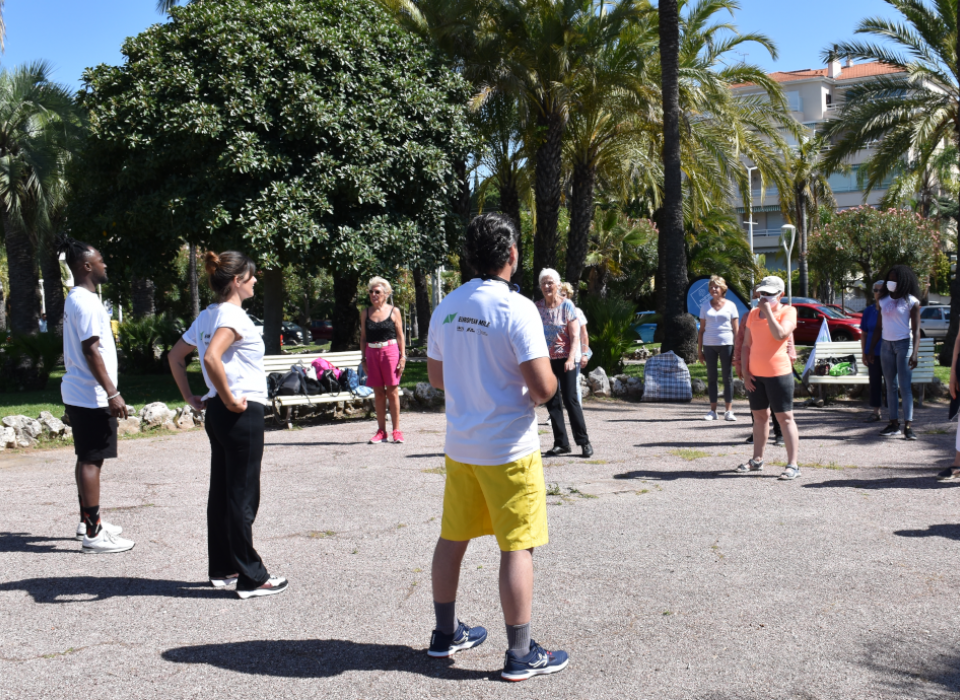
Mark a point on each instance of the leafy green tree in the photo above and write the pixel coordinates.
(615, 241)
(37, 127)
(910, 113)
(302, 132)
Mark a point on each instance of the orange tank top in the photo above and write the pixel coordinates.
(768, 356)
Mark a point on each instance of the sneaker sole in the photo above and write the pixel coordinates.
(261, 592)
(454, 649)
(222, 582)
(525, 675)
(92, 550)
(889, 435)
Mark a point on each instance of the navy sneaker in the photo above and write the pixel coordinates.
(445, 645)
(539, 662)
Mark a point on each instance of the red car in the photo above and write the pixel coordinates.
(810, 318)
(845, 312)
(321, 330)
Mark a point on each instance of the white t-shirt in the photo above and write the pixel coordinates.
(896, 316)
(718, 325)
(482, 332)
(84, 317)
(243, 360)
(583, 322)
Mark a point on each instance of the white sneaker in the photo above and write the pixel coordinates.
(109, 527)
(105, 543)
(223, 582)
(711, 416)
(273, 586)
(729, 416)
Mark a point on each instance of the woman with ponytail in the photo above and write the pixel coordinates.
(231, 358)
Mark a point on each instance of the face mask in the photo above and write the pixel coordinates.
(892, 286)
(770, 299)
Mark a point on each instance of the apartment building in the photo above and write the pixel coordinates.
(814, 96)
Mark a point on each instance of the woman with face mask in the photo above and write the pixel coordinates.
(899, 326)
(768, 374)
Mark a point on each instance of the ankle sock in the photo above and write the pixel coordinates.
(446, 616)
(91, 518)
(518, 639)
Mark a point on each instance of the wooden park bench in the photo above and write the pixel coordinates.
(923, 374)
(285, 407)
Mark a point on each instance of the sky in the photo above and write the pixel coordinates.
(73, 35)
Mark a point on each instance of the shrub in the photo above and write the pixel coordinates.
(145, 342)
(608, 324)
(26, 361)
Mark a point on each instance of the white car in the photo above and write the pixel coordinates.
(934, 321)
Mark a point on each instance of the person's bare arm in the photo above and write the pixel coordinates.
(584, 345)
(703, 329)
(435, 373)
(178, 368)
(213, 362)
(91, 353)
(735, 325)
(573, 332)
(363, 340)
(539, 379)
(398, 322)
(915, 321)
(780, 331)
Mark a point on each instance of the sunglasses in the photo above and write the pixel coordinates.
(376, 292)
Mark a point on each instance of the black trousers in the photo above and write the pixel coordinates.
(875, 371)
(236, 450)
(566, 397)
(724, 353)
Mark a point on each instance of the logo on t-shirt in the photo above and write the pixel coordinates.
(449, 318)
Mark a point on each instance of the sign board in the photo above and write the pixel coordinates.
(699, 291)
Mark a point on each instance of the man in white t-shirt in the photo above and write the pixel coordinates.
(487, 351)
(89, 390)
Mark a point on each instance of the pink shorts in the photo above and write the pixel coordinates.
(382, 366)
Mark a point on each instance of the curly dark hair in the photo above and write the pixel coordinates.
(488, 241)
(74, 251)
(906, 283)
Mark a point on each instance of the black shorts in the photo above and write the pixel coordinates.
(94, 433)
(775, 393)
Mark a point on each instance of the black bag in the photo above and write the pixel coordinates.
(312, 386)
(291, 383)
(824, 365)
(273, 384)
(328, 382)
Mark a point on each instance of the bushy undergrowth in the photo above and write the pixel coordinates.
(608, 324)
(26, 361)
(145, 342)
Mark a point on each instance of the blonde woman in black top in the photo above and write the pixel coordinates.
(384, 355)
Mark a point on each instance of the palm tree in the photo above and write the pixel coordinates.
(914, 110)
(614, 241)
(807, 189)
(35, 119)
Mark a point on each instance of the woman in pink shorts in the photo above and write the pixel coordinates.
(384, 356)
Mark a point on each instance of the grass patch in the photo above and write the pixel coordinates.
(442, 470)
(596, 461)
(578, 492)
(642, 491)
(321, 534)
(689, 454)
(554, 490)
(936, 431)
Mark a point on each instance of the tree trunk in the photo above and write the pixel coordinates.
(679, 326)
(3, 309)
(804, 271)
(194, 285)
(659, 280)
(510, 205)
(461, 207)
(272, 309)
(422, 297)
(547, 191)
(52, 286)
(24, 278)
(142, 297)
(581, 215)
(346, 318)
(414, 322)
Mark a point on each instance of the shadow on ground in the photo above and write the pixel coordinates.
(673, 476)
(32, 544)
(82, 589)
(949, 531)
(319, 658)
(899, 482)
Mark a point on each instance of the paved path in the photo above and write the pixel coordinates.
(666, 576)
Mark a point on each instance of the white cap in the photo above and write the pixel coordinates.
(771, 285)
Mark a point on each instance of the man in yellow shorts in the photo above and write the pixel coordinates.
(488, 353)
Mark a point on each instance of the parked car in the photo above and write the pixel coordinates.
(810, 318)
(321, 330)
(292, 334)
(845, 312)
(934, 321)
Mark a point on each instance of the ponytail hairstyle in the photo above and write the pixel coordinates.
(74, 251)
(222, 269)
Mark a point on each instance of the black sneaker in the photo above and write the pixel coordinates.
(749, 440)
(949, 474)
(778, 441)
(892, 429)
(445, 645)
(908, 433)
(587, 450)
(556, 451)
(539, 662)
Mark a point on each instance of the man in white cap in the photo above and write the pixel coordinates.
(768, 374)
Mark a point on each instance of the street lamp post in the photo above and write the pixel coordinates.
(751, 222)
(788, 232)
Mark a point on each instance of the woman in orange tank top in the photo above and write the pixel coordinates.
(768, 374)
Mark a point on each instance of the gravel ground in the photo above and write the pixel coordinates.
(666, 576)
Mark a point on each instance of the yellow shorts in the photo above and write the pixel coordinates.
(509, 501)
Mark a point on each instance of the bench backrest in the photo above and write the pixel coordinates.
(926, 361)
(282, 363)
